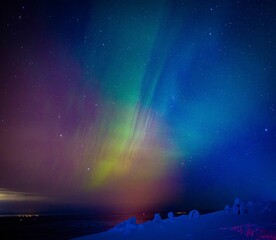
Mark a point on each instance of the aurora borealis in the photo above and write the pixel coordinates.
(137, 105)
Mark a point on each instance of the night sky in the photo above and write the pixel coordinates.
(136, 105)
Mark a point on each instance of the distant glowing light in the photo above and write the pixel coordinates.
(7, 195)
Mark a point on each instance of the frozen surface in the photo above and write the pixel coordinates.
(253, 220)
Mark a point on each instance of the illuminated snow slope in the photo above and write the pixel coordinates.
(258, 223)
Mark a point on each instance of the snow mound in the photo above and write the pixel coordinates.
(157, 218)
(126, 226)
(239, 207)
(194, 214)
(171, 216)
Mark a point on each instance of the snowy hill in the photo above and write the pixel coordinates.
(254, 220)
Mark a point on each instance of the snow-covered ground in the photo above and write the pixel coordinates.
(254, 220)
